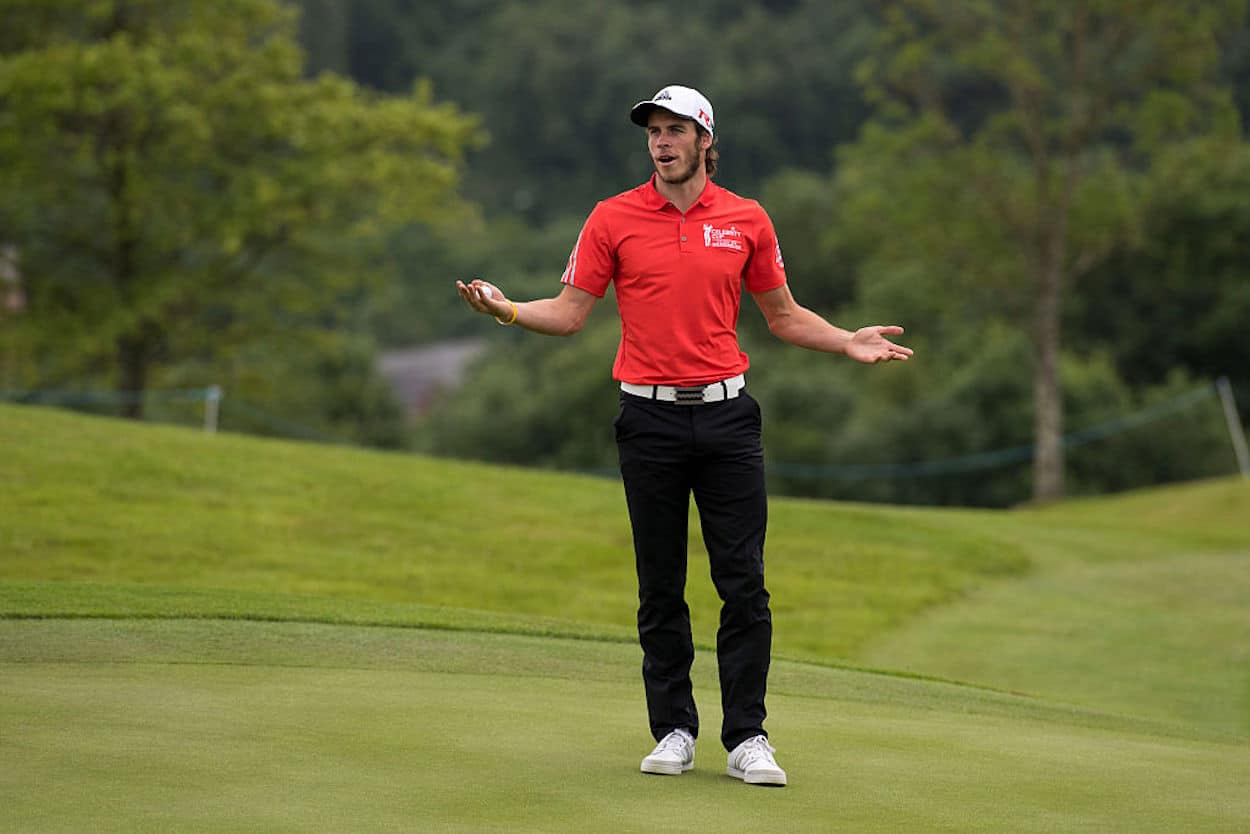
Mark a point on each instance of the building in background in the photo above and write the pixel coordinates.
(418, 376)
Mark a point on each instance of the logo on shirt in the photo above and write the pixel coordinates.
(714, 238)
(780, 262)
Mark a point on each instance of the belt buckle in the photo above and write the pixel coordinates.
(688, 396)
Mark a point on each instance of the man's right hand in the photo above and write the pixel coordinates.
(485, 298)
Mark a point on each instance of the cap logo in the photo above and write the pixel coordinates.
(681, 101)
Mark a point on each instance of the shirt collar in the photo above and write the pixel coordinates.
(655, 201)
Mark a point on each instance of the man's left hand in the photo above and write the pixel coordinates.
(870, 345)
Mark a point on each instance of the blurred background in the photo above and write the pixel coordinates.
(250, 214)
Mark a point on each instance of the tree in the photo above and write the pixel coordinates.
(1012, 145)
(173, 183)
(1188, 277)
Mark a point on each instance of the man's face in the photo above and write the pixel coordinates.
(676, 147)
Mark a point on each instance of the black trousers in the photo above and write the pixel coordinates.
(669, 451)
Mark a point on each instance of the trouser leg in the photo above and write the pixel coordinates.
(652, 441)
(733, 510)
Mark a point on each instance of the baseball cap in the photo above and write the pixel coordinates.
(686, 102)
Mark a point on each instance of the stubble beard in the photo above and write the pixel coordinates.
(685, 175)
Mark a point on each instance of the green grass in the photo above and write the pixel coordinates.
(1137, 603)
(238, 727)
(110, 503)
(1168, 638)
(220, 633)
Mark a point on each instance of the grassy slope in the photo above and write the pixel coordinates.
(1137, 603)
(104, 502)
(1140, 603)
(1133, 607)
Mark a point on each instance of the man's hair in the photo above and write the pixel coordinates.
(712, 155)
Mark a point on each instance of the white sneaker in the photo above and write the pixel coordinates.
(672, 756)
(752, 761)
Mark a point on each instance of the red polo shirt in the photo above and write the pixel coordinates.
(678, 279)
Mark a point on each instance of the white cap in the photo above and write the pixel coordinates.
(686, 102)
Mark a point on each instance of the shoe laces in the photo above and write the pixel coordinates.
(674, 741)
(757, 750)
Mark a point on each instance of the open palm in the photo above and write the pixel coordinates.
(869, 344)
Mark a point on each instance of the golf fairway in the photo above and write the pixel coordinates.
(205, 725)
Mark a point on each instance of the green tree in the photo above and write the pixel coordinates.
(1011, 149)
(175, 185)
(1180, 297)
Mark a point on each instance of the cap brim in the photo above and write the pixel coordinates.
(642, 112)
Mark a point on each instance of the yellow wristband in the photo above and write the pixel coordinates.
(509, 321)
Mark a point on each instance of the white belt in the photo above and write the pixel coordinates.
(713, 392)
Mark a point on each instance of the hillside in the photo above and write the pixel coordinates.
(134, 508)
(1135, 604)
(226, 634)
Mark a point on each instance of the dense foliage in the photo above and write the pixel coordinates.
(283, 221)
(1013, 146)
(926, 214)
(186, 207)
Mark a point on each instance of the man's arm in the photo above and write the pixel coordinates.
(797, 325)
(563, 315)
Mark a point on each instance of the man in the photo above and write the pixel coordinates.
(679, 249)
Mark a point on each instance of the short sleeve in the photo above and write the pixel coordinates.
(766, 271)
(592, 264)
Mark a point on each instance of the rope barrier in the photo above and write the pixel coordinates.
(993, 459)
(108, 397)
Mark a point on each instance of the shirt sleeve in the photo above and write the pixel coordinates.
(592, 264)
(766, 271)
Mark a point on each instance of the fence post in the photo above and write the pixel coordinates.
(1235, 430)
(212, 404)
